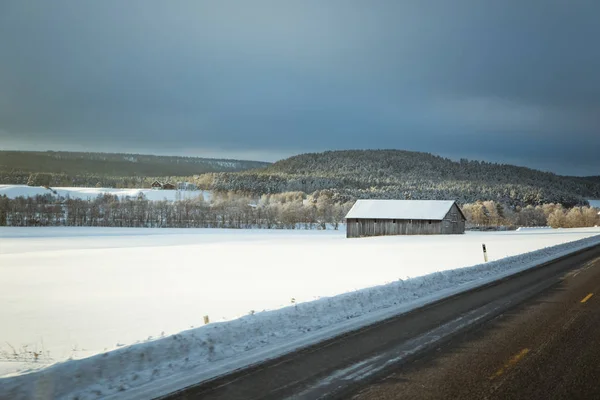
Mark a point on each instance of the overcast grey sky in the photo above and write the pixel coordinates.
(514, 81)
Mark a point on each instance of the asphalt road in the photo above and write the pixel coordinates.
(528, 336)
(545, 348)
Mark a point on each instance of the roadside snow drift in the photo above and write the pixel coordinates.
(103, 272)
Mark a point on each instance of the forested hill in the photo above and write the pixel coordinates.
(595, 179)
(87, 168)
(405, 174)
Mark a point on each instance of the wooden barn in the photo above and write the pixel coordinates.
(404, 217)
(156, 185)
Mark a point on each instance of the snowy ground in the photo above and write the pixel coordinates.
(75, 292)
(84, 193)
(594, 203)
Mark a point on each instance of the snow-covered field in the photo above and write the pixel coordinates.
(75, 292)
(85, 193)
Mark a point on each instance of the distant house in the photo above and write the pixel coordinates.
(168, 186)
(156, 185)
(404, 217)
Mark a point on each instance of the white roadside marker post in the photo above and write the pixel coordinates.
(206, 320)
(485, 257)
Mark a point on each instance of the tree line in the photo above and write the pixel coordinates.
(491, 214)
(17, 177)
(226, 210)
(291, 210)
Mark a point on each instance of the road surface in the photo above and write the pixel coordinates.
(546, 348)
(533, 335)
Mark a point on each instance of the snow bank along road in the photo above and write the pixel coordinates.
(558, 334)
(98, 287)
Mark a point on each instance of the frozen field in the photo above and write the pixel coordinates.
(13, 191)
(74, 292)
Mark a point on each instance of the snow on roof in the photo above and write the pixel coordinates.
(401, 209)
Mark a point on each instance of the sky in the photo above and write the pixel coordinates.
(505, 81)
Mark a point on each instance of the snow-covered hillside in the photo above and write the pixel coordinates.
(13, 191)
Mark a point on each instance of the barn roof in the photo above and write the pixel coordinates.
(401, 209)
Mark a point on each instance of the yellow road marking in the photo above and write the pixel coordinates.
(511, 363)
(518, 357)
(586, 298)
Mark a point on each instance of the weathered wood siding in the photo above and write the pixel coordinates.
(382, 227)
(454, 222)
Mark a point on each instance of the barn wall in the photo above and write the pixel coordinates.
(454, 222)
(383, 227)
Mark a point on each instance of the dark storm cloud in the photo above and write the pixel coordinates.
(507, 81)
